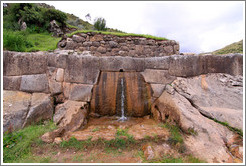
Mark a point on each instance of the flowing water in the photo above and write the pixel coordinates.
(122, 118)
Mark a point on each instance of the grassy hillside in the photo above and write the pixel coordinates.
(236, 47)
(37, 36)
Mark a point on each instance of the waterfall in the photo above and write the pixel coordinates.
(122, 118)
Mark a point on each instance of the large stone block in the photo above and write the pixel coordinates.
(15, 109)
(80, 92)
(157, 76)
(34, 83)
(229, 64)
(157, 62)
(16, 63)
(185, 65)
(41, 109)
(157, 89)
(116, 63)
(82, 69)
(58, 59)
(55, 87)
(11, 82)
(193, 65)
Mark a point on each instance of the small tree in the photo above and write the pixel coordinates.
(100, 24)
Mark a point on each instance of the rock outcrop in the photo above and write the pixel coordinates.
(55, 29)
(189, 102)
(218, 96)
(21, 109)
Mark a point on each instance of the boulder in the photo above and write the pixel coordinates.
(23, 26)
(61, 109)
(11, 82)
(113, 44)
(49, 137)
(72, 117)
(41, 109)
(101, 49)
(157, 76)
(177, 109)
(34, 83)
(218, 96)
(57, 31)
(78, 39)
(15, 109)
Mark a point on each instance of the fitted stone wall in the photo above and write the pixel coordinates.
(111, 45)
(74, 74)
(67, 75)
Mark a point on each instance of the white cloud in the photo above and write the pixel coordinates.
(198, 26)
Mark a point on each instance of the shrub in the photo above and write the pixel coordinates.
(53, 14)
(15, 41)
(100, 24)
(32, 14)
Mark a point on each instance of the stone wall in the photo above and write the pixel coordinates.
(111, 45)
(66, 75)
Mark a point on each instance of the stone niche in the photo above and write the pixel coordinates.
(107, 94)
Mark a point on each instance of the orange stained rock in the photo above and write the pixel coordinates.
(107, 94)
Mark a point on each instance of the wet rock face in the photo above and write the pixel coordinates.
(107, 94)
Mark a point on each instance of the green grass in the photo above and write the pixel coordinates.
(17, 145)
(122, 140)
(95, 129)
(226, 124)
(236, 47)
(42, 42)
(117, 34)
(176, 136)
(24, 41)
(181, 159)
(78, 158)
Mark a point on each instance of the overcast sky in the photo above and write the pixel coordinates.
(197, 26)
